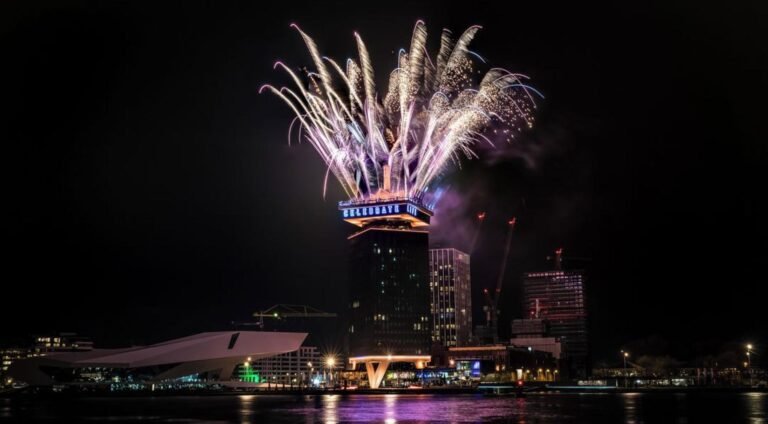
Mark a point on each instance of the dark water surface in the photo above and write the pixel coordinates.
(541, 408)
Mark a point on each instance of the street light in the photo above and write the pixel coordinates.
(749, 362)
(310, 370)
(625, 355)
(330, 362)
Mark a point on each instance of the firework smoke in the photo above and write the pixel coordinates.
(432, 113)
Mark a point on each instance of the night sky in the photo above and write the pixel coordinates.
(149, 191)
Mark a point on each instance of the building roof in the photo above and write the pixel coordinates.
(197, 353)
(203, 346)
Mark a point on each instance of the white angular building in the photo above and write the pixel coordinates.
(208, 357)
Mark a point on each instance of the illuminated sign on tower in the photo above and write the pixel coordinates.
(362, 213)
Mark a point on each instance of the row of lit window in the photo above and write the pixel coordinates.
(444, 336)
(377, 250)
(442, 288)
(445, 326)
(552, 274)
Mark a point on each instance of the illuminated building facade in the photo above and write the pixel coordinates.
(451, 306)
(388, 277)
(8, 356)
(62, 342)
(527, 364)
(557, 297)
(43, 345)
(292, 368)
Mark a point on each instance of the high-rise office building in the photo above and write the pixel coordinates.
(558, 297)
(389, 286)
(451, 306)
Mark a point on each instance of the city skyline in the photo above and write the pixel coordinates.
(149, 178)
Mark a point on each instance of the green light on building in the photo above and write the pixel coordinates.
(248, 375)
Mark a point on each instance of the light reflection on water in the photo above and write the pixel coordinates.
(330, 403)
(246, 408)
(591, 408)
(392, 408)
(5, 408)
(756, 406)
(630, 408)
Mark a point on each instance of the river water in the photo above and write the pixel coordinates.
(593, 408)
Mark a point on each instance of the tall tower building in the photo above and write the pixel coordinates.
(389, 286)
(558, 297)
(451, 306)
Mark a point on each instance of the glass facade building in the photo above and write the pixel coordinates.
(558, 298)
(389, 290)
(451, 303)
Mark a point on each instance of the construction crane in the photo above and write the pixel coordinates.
(558, 259)
(492, 301)
(283, 311)
(480, 219)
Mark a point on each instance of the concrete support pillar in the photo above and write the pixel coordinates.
(376, 365)
(376, 372)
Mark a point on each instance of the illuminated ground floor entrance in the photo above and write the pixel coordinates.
(376, 365)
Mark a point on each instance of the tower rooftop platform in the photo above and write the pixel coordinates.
(361, 212)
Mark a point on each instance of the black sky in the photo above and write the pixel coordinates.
(150, 192)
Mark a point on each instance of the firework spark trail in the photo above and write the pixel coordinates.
(431, 115)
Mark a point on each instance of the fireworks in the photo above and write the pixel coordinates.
(432, 114)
